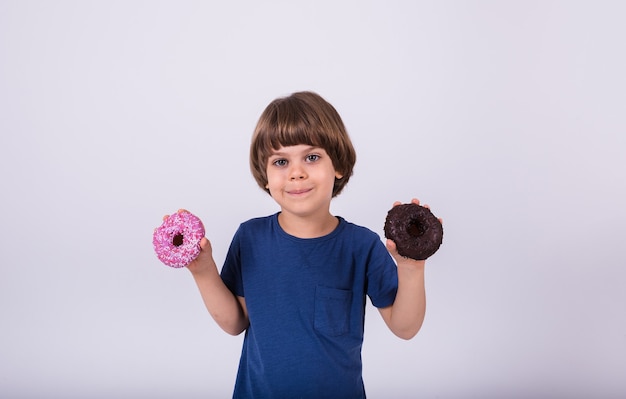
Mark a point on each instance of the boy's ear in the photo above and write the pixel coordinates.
(338, 175)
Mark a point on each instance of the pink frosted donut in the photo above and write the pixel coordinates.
(177, 241)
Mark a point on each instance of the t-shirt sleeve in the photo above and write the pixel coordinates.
(231, 271)
(382, 275)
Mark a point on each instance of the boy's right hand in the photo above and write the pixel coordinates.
(204, 262)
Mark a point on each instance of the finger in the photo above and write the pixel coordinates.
(165, 217)
(391, 246)
(397, 203)
(182, 210)
(415, 201)
(393, 251)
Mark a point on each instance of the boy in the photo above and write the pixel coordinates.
(296, 282)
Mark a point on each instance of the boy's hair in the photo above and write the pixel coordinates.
(302, 118)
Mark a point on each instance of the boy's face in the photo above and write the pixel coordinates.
(301, 179)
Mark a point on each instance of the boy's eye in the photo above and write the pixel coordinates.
(280, 162)
(312, 157)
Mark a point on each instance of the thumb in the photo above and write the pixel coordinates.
(391, 247)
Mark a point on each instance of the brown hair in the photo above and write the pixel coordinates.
(302, 118)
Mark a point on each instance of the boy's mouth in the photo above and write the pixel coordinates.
(299, 191)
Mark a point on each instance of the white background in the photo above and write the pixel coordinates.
(507, 117)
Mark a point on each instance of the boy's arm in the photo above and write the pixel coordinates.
(228, 310)
(406, 315)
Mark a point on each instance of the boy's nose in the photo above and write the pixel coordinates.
(297, 173)
(297, 176)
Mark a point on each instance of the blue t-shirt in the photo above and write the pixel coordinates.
(306, 304)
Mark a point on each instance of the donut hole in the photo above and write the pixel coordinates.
(415, 228)
(177, 240)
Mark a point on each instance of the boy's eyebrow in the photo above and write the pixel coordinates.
(275, 153)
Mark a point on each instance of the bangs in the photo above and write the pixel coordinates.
(288, 125)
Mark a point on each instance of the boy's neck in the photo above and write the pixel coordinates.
(307, 227)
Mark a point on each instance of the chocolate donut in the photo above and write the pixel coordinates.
(416, 232)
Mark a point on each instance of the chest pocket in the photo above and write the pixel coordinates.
(332, 310)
